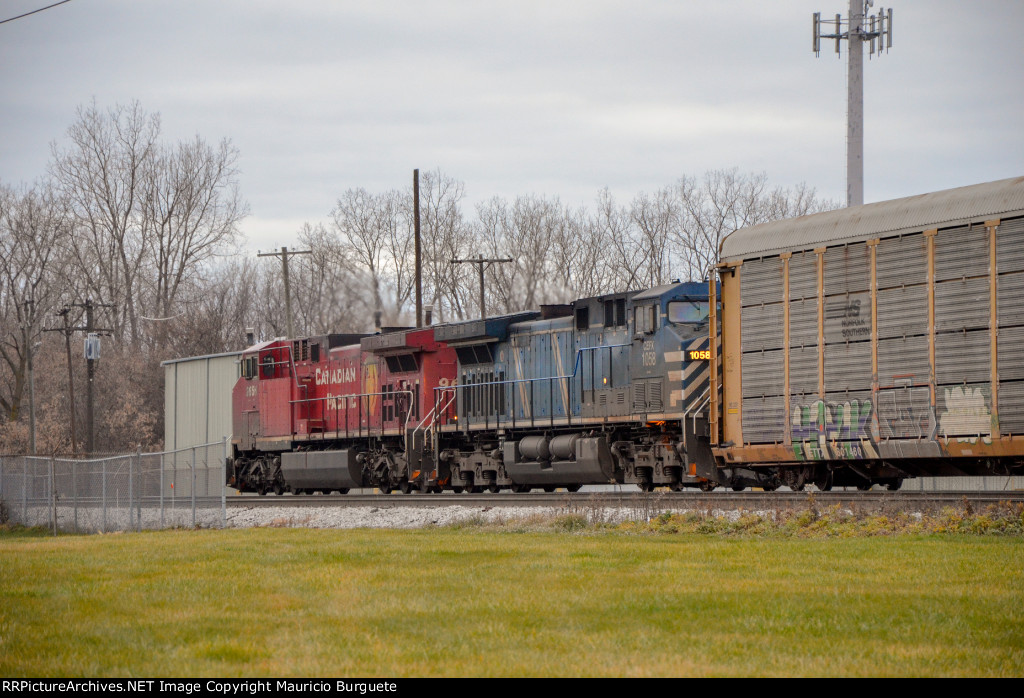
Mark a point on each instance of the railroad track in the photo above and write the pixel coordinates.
(913, 501)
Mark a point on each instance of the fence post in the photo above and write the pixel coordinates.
(142, 486)
(103, 478)
(131, 502)
(74, 489)
(161, 489)
(24, 491)
(53, 498)
(223, 486)
(193, 487)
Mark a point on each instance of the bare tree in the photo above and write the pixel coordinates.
(34, 232)
(446, 236)
(723, 201)
(103, 173)
(655, 217)
(191, 212)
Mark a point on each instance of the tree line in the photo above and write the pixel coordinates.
(148, 231)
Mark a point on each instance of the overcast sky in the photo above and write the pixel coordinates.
(550, 98)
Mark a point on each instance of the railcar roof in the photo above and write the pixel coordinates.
(883, 219)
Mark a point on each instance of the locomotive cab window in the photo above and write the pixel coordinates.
(268, 365)
(687, 311)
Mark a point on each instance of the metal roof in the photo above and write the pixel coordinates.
(913, 214)
(185, 359)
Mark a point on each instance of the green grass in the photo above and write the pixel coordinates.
(476, 602)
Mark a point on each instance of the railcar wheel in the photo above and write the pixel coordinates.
(738, 488)
(343, 490)
(549, 488)
(457, 490)
(493, 488)
(278, 489)
(646, 486)
(521, 488)
(864, 486)
(706, 486)
(385, 488)
(894, 484)
(573, 488)
(824, 482)
(405, 487)
(475, 489)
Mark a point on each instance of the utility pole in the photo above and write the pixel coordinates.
(283, 254)
(482, 264)
(860, 29)
(419, 258)
(30, 308)
(66, 331)
(91, 356)
(92, 352)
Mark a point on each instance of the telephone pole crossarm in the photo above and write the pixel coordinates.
(482, 265)
(284, 254)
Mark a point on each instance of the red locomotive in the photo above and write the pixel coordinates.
(299, 405)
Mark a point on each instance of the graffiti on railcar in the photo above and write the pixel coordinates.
(832, 430)
(967, 415)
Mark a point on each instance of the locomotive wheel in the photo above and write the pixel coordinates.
(521, 488)
(385, 488)
(573, 488)
(405, 486)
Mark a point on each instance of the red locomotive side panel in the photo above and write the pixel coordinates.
(409, 366)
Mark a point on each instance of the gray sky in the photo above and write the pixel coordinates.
(550, 98)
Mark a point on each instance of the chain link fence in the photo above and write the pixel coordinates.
(132, 492)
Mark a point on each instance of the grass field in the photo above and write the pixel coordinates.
(474, 602)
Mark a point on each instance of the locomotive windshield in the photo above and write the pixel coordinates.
(687, 311)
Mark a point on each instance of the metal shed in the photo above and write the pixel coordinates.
(197, 399)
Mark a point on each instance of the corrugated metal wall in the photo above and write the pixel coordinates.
(908, 400)
(197, 400)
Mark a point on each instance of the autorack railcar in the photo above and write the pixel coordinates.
(878, 342)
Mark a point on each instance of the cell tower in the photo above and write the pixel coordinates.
(860, 28)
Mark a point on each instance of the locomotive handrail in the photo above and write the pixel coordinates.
(434, 412)
(514, 381)
(408, 414)
(696, 410)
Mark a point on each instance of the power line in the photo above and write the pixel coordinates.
(4, 21)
